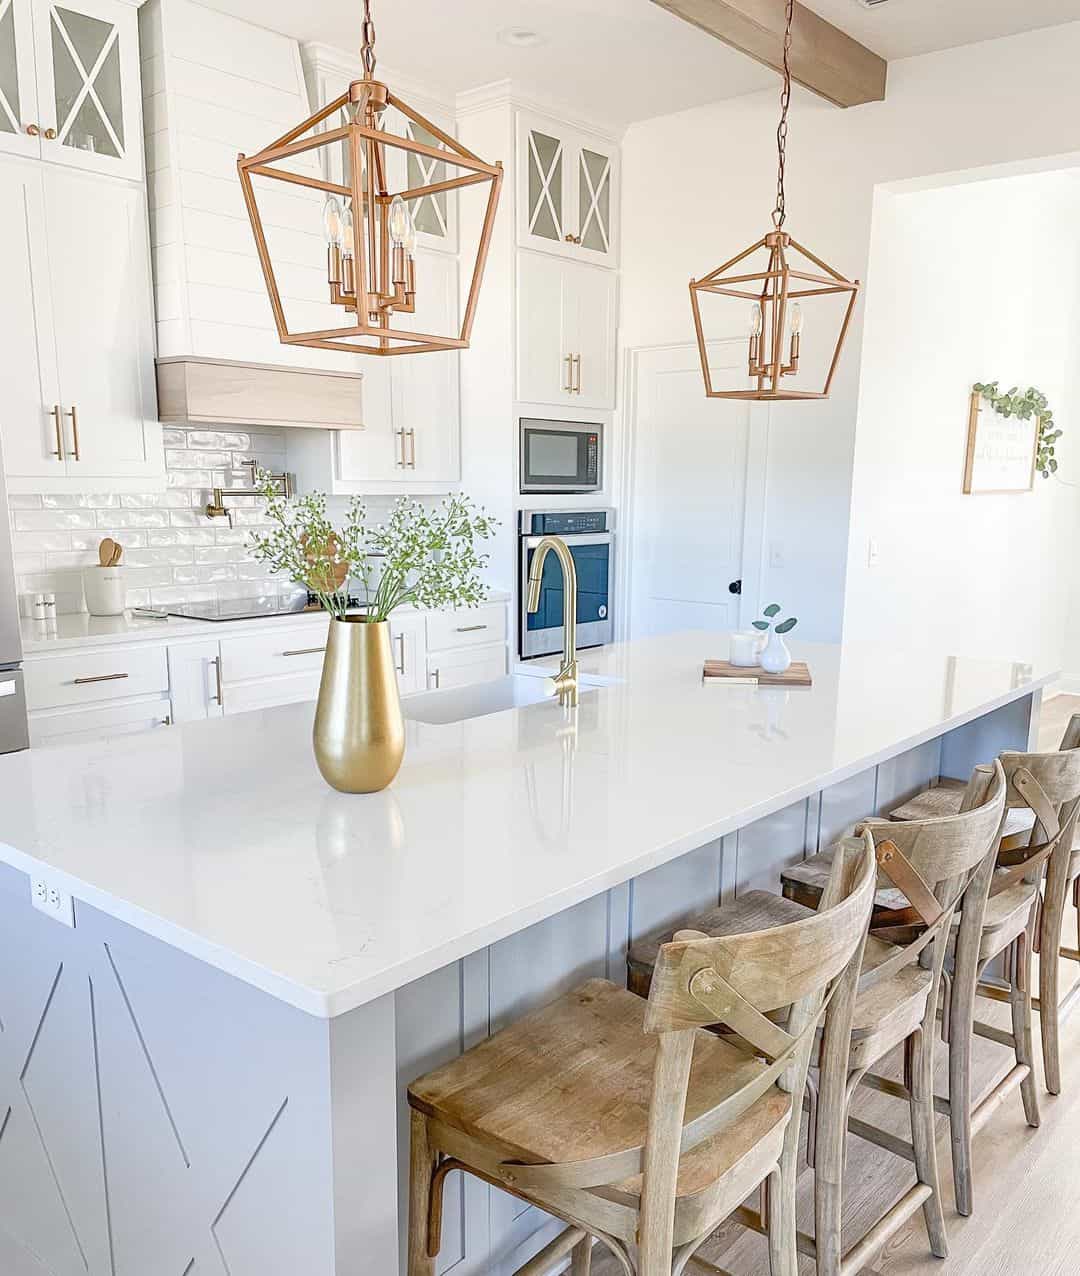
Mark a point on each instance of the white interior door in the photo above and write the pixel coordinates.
(688, 494)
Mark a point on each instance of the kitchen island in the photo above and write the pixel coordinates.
(206, 1073)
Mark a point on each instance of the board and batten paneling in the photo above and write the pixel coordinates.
(199, 113)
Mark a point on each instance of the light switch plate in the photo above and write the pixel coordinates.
(51, 899)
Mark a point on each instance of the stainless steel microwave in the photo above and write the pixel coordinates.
(561, 456)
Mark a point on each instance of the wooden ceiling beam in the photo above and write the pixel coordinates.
(824, 59)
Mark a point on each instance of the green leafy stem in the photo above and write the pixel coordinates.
(772, 611)
(1032, 403)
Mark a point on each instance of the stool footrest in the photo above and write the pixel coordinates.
(996, 1096)
(881, 1138)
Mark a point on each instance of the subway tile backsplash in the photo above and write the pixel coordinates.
(172, 551)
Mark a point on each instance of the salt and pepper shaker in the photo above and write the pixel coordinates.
(39, 607)
(50, 610)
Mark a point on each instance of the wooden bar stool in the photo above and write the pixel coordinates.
(1046, 786)
(626, 1120)
(931, 866)
(1048, 935)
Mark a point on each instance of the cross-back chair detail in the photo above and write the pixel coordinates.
(629, 1198)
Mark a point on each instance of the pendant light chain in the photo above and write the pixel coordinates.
(780, 211)
(367, 48)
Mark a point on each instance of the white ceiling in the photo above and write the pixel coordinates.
(617, 61)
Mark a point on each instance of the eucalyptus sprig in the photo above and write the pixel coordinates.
(772, 611)
(1032, 403)
(423, 556)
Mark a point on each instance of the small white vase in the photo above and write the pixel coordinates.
(775, 658)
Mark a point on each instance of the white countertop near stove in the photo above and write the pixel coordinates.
(80, 630)
(221, 838)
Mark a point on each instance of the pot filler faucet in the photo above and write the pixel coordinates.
(566, 681)
(217, 507)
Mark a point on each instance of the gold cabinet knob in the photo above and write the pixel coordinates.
(50, 134)
(33, 130)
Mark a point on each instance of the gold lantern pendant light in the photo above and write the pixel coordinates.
(370, 233)
(777, 317)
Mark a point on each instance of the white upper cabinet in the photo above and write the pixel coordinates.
(69, 84)
(19, 126)
(80, 404)
(568, 187)
(566, 333)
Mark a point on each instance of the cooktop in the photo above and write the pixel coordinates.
(254, 608)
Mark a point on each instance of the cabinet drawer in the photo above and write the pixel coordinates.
(286, 651)
(74, 726)
(465, 668)
(88, 677)
(467, 627)
(267, 693)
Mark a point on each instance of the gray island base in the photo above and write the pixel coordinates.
(205, 1076)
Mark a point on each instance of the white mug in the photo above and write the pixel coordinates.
(745, 649)
(105, 590)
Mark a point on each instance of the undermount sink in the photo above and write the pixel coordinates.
(513, 691)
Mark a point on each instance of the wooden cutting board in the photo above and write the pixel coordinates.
(796, 675)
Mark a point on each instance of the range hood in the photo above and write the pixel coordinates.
(200, 391)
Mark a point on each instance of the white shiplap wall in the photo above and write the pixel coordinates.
(213, 87)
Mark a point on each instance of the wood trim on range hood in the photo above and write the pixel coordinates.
(198, 391)
(824, 59)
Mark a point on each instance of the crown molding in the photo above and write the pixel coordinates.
(486, 97)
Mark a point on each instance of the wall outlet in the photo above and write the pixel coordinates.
(873, 553)
(776, 554)
(52, 900)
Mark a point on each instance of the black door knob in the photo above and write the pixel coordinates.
(735, 587)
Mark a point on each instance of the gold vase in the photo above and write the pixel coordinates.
(359, 732)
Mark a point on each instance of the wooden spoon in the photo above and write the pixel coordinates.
(106, 550)
(117, 554)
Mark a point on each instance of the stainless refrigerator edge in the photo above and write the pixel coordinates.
(13, 729)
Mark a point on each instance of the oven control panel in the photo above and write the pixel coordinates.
(565, 522)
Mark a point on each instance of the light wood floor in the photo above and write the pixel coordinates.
(1027, 1182)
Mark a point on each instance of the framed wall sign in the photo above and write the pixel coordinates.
(1001, 451)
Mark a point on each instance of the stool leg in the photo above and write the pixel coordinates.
(581, 1258)
(829, 1168)
(1053, 915)
(920, 1048)
(421, 1168)
(961, 1018)
(1020, 998)
(783, 1257)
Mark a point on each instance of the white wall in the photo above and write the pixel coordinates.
(971, 283)
(699, 185)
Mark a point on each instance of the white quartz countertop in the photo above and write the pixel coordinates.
(221, 838)
(78, 630)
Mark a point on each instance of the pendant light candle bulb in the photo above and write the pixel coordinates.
(332, 221)
(796, 320)
(400, 221)
(755, 321)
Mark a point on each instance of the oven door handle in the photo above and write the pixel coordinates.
(575, 538)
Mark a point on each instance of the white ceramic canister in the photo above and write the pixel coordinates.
(105, 590)
(745, 649)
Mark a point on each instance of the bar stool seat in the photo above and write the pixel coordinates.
(1006, 916)
(572, 1081)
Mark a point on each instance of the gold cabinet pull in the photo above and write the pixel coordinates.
(412, 449)
(34, 130)
(50, 135)
(399, 449)
(576, 359)
(401, 648)
(220, 697)
(101, 677)
(304, 651)
(568, 359)
(59, 453)
(469, 629)
(71, 412)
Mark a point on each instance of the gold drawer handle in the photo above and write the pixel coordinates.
(56, 414)
(73, 413)
(304, 651)
(469, 629)
(101, 677)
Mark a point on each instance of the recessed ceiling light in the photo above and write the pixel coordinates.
(520, 38)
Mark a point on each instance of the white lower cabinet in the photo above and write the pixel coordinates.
(465, 667)
(107, 690)
(195, 680)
